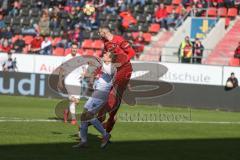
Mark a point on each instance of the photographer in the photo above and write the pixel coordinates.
(10, 64)
(232, 82)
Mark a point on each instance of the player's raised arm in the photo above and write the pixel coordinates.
(126, 46)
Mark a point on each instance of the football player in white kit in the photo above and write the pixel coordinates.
(102, 87)
(71, 80)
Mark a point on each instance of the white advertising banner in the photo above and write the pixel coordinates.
(177, 73)
(46, 65)
(25, 63)
(193, 74)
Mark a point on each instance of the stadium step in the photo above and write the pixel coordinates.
(152, 52)
(224, 50)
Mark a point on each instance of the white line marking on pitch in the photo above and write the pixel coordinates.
(15, 119)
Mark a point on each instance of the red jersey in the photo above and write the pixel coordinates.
(161, 13)
(36, 43)
(122, 48)
(5, 49)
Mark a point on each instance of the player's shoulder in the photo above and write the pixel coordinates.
(119, 38)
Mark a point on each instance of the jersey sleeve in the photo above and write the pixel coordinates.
(126, 46)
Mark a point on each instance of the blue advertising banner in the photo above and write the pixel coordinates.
(201, 26)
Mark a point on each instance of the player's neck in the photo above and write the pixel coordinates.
(110, 37)
(107, 62)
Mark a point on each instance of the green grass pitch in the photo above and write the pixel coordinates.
(191, 135)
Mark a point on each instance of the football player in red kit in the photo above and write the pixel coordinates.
(124, 52)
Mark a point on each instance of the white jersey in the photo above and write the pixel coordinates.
(105, 81)
(102, 87)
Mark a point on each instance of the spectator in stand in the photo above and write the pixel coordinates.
(2, 23)
(10, 64)
(9, 33)
(110, 7)
(99, 5)
(64, 43)
(135, 2)
(75, 35)
(229, 3)
(6, 32)
(5, 46)
(16, 8)
(46, 47)
(185, 50)
(138, 44)
(172, 19)
(197, 51)
(75, 3)
(237, 52)
(127, 19)
(161, 15)
(19, 44)
(73, 18)
(39, 4)
(54, 23)
(44, 23)
(91, 23)
(32, 30)
(35, 45)
(197, 7)
(232, 82)
(237, 4)
(5, 5)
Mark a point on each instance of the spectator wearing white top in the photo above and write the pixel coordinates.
(46, 47)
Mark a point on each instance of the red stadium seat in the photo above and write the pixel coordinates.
(80, 51)
(227, 21)
(212, 12)
(50, 39)
(88, 52)
(232, 12)
(14, 38)
(58, 52)
(234, 62)
(98, 44)
(176, 2)
(189, 8)
(169, 9)
(222, 12)
(67, 51)
(179, 10)
(154, 28)
(87, 44)
(135, 34)
(98, 53)
(56, 40)
(147, 37)
(28, 39)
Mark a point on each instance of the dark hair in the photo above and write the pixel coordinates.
(232, 74)
(74, 43)
(105, 27)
